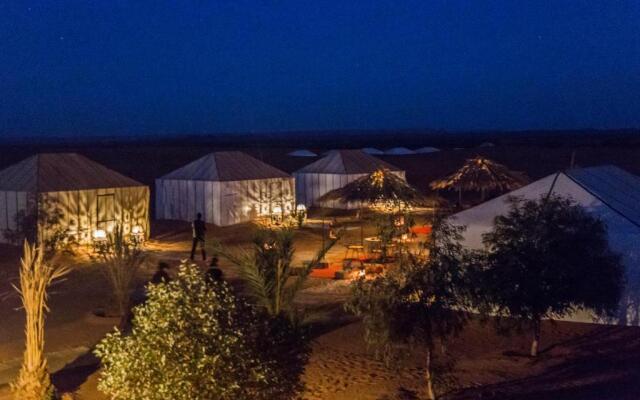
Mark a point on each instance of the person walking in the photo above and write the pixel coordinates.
(199, 229)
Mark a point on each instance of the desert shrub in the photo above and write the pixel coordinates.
(121, 258)
(44, 216)
(193, 340)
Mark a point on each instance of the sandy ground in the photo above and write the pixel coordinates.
(578, 361)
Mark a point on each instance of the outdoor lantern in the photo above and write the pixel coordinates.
(276, 215)
(301, 214)
(99, 235)
(137, 232)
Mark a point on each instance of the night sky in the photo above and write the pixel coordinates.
(161, 67)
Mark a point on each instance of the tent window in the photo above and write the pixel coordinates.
(106, 210)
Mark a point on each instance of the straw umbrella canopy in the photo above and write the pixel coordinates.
(381, 189)
(481, 174)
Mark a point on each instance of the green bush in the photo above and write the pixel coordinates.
(194, 340)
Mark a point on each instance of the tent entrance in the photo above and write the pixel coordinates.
(106, 211)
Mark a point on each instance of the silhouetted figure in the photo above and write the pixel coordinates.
(332, 229)
(199, 230)
(214, 273)
(161, 274)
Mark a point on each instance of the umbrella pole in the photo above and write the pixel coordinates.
(323, 243)
(361, 228)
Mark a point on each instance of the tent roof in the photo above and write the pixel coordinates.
(372, 150)
(606, 191)
(613, 186)
(302, 153)
(58, 172)
(399, 151)
(347, 162)
(226, 166)
(427, 149)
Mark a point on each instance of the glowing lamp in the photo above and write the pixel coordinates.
(301, 208)
(277, 210)
(137, 230)
(99, 234)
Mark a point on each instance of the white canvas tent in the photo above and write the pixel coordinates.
(399, 151)
(427, 149)
(608, 192)
(302, 153)
(87, 196)
(227, 187)
(373, 151)
(335, 171)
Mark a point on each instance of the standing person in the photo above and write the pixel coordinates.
(161, 274)
(214, 273)
(199, 230)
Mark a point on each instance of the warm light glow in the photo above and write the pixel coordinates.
(99, 234)
(277, 210)
(301, 208)
(137, 230)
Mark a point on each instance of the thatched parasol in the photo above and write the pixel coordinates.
(481, 174)
(379, 187)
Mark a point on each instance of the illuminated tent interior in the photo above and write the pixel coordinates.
(607, 192)
(227, 188)
(334, 171)
(84, 195)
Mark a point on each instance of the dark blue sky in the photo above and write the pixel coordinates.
(125, 67)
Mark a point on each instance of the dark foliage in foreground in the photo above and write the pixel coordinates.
(420, 301)
(549, 258)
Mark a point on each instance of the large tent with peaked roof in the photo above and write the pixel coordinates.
(398, 151)
(426, 150)
(86, 196)
(335, 171)
(373, 151)
(302, 153)
(227, 187)
(608, 193)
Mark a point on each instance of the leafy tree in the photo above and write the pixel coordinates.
(421, 301)
(121, 258)
(548, 258)
(267, 269)
(193, 340)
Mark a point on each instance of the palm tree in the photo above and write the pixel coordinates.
(267, 270)
(36, 275)
(481, 174)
